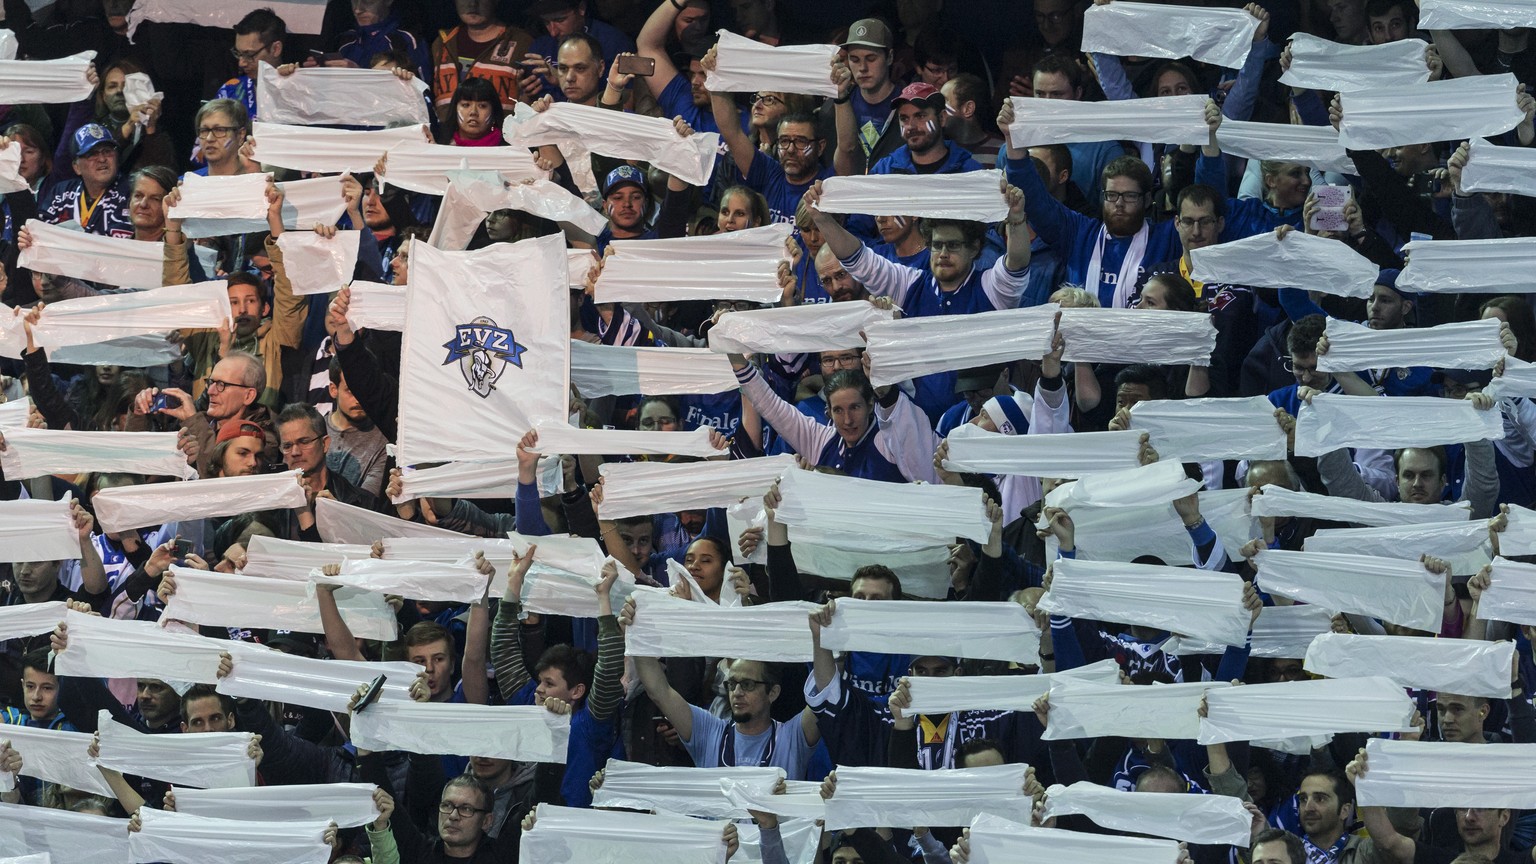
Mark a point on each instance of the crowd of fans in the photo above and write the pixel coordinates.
(289, 384)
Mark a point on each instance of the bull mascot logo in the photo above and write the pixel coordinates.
(483, 351)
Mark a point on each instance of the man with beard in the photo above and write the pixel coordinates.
(302, 438)
(919, 111)
(356, 449)
(626, 199)
(965, 98)
(96, 201)
(679, 91)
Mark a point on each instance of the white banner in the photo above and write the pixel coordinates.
(739, 265)
(308, 202)
(1512, 595)
(1467, 667)
(558, 438)
(113, 648)
(1137, 335)
(30, 619)
(1278, 501)
(623, 370)
(460, 480)
(974, 196)
(1491, 168)
(208, 760)
(327, 96)
(909, 347)
(275, 558)
(1281, 631)
(418, 580)
(319, 265)
(78, 838)
(177, 838)
(1300, 260)
(329, 151)
(472, 195)
(570, 835)
(1498, 266)
(225, 600)
(811, 327)
(105, 317)
(32, 453)
(1400, 592)
(417, 166)
(1074, 454)
(1148, 485)
(1332, 420)
(1431, 774)
(618, 134)
(679, 791)
(1193, 430)
(1318, 64)
(1081, 709)
(1448, 110)
(975, 631)
(329, 685)
(1463, 545)
(1314, 146)
(1221, 37)
(109, 260)
(344, 523)
(1212, 819)
(301, 16)
(945, 797)
(1294, 709)
(56, 756)
(1476, 14)
(125, 507)
(667, 627)
(376, 306)
(1519, 534)
(218, 206)
(1460, 345)
(526, 733)
(904, 509)
(747, 66)
(644, 488)
(1184, 600)
(1155, 120)
(37, 531)
(46, 82)
(999, 841)
(999, 692)
(347, 804)
(10, 160)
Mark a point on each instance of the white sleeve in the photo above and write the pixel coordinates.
(1048, 418)
(881, 277)
(907, 439)
(1003, 286)
(803, 433)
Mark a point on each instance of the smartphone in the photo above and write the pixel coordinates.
(182, 548)
(162, 401)
(1331, 201)
(633, 65)
(375, 688)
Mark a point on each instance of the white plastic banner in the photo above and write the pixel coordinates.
(620, 135)
(679, 791)
(975, 196)
(999, 692)
(1075, 454)
(109, 260)
(208, 760)
(1519, 534)
(10, 159)
(551, 591)
(1464, 666)
(114, 648)
(904, 509)
(472, 195)
(1332, 420)
(1193, 430)
(568, 440)
(329, 685)
(908, 347)
(125, 507)
(1148, 485)
(1512, 596)
(1292, 709)
(7, 46)
(946, 797)
(77, 838)
(1221, 37)
(1212, 819)
(217, 206)
(1160, 336)
(460, 480)
(46, 82)
(1491, 168)
(1281, 632)
(317, 200)
(1476, 14)
(1314, 146)
(975, 631)
(806, 328)
(801, 799)
(39, 858)
(56, 756)
(623, 370)
(1199, 603)
(1397, 591)
(30, 619)
(275, 558)
(924, 573)
(999, 841)
(1463, 545)
(569, 835)
(1081, 709)
(747, 66)
(177, 838)
(1155, 120)
(344, 523)
(487, 336)
(1277, 501)
(302, 16)
(668, 627)
(93, 320)
(1459, 345)
(329, 151)
(327, 96)
(1498, 266)
(1298, 261)
(319, 265)
(1318, 64)
(526, 733)
(225, 600)
(134, 352)
(1447, 774)
(1448, 110)
(428, 168)
(37, 531)
(740, 265)
(32, 453)
(418, 580)
(376, 306)
(645, 488)
(1127, 533)
(347, 804)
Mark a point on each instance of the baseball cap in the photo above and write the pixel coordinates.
(89, 137)
(868, 33)
(624, 175)
(1464, 377)
(235, 427)
(978, 378)
(1388, 277)
(920, 93)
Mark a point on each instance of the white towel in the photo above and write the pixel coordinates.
(580, 555)
(76, 838)
(945, 797)
(1081, 709)
(428, 168)
(569, 835)
(1075, 454)
(1401, 592)
(459, 479)
(976, 631)
(1464, 545)
(1213, 819)
(56, 756)
(741, 265)
(327, 96)
(37, 531)
(103, 318)
(527, 733)
(344, 523)
(376, 306)
(1318, 64)
(329, 151)
(418, 580)
(128, 507)
(311, 201)
(1476, 14)
(1491, 168)
(622, 370)
(266, 673)
(1447, 774)
(667, 627)
(109, 260)
(1281, 631)
(811, 327)
(1279, 501)
(1460, 345)
(1300, 260)
(46, 82)
(1331, 421)
(558, 438)
(275, 558)
(620, 135)
(208, 760)
(1446, 110)
(747, 65)
(909, 347)
(1314, 146)
(1192, 430)
(319, 265)
(999, 841)
(1147, 485)
(1155, 120)
(114, 648)
(1499, 266)
(347, 804)
(998, 692)
(974, 196)
(1221, 37)
(679, 791)
(643, 488)
(1292, 709)
(1463, 666)
(32, 453)
(902, 509)
(225, 600)
(1512, 596)
(302, 16)
(177, 838)
(1137, 335)
(216, 206)
(1183, 600)
(30, 619)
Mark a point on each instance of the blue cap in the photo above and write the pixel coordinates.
(622, 176)
(1388, 277)
(89, 137)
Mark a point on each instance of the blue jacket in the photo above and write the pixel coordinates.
(1245, 216)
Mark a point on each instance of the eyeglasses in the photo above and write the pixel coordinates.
(463, 811)
(745, 685)
(766, 99)
(803, 144)
(215, 386)
(734, 306)
(217, 133)
(850, 362)
(947, 245)
(248, 55)
(298, 444)
(1052, 17)
(1291, 367)
(652, 422)
(1127, 197)
(1186, 222)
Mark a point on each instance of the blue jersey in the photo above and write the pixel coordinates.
(107, 216)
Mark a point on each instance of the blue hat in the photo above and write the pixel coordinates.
(1388, 277)
(624, 175)
(89, 137)
(1010, 412)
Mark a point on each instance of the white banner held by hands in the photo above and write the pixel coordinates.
(32, 530)
(620, 135)
(666, 626)
(103, 318)
(1464, 545)
(1212, 819)
(1278, 501)
(1491, 168)
(906, 348)
(1314, 146)
(1077, 454)
(1446, 110)
(1155, 120)
(570, 835)
(999, 692)
(527, 733)
(746, 66)
(109, 260)
(419, 580)
(1476, 14)
(1512, 595)
(417, 166)
(946, 797)
(1431, 774)
(1221, 37)
(112, 648)
(1299, 260)
(220, 599)
(1281, 631)
(30, 619)
(316, 200)
(1318, 64)
(1000, 841)
(975, 196)
(209, 760)
(644, 488)
(976, 631)
(623, 370)
(1467, 667)
(32, 453)
(266, 673)
(376, 306)
(1400, 592)
(347, 804)
(740, 265)
(1460, 345)
(1182, 600)
(180, 838)
(904, 509)
(1189, 430)
(1293, 709)
(78, 838)
(125, 507)
(331, 96)
(275, 558)
(1161, 336)
(316, 264)
(805, 328)
(1497, 266)
(1081, 709)
(567, 440)
(216, 206)
(328, 151)
(56, 756)
(1332, 420)
(679, 791)
(46, 82)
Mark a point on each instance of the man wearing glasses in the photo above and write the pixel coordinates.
(464, 815)
(96, 202)
(231, 389)
(304, 441)
(258, 39)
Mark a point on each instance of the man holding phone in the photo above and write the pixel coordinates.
(562, 19)
(679, 91)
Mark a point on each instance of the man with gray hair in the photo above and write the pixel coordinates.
(231, 391)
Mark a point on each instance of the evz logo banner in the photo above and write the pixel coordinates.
(483, 351)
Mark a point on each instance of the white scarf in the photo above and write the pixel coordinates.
(1130, 266)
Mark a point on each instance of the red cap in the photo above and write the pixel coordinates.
(920, 92)
(235, 427)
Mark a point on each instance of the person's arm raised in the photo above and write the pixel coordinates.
(654, 678)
